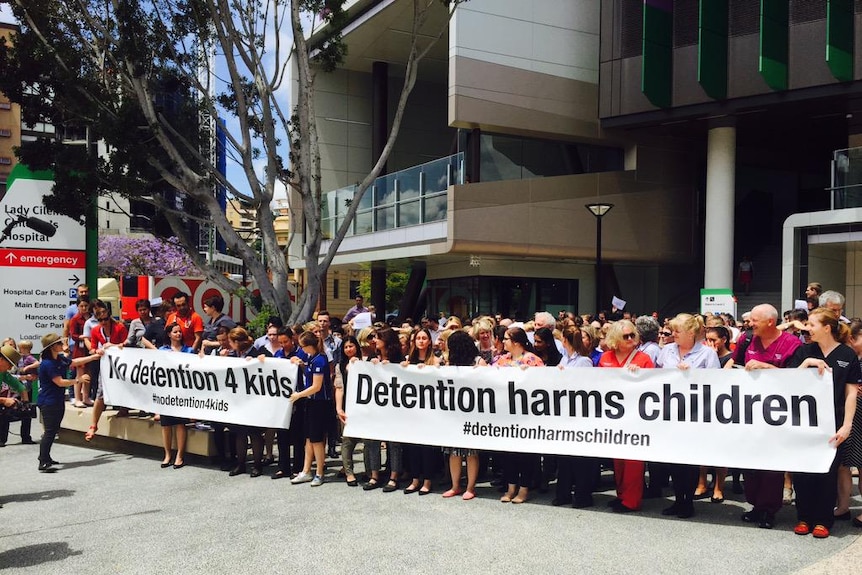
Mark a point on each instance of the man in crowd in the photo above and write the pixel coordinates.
(358, 308)
(189, 321)
(833, 300)
(769, 348)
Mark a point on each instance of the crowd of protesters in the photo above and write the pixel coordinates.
(324, 351)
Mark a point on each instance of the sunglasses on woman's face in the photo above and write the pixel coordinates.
(629, 336)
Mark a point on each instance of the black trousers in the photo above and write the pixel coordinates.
(684, 479)
(577, 472)
(521, 469)
(423, 461)
(4, 428)
(815, 496)
(52, 415)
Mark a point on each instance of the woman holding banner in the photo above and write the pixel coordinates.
(520, 470)
(816, 493)
(388, 350)
(170, 423)
(423, 458)
(687, 352)
(575, 472)
(318, 407)
(463, 352)
(622, 341)
(350, 349)
(242, 345)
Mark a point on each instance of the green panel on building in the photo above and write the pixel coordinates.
(657, 61)
(772, 65)
(712, 48)
(839, 38)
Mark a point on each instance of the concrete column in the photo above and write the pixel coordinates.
(720, 199)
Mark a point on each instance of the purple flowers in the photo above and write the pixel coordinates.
(120, 256)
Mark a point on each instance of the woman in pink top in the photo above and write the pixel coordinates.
(520, 470)
(622, 342)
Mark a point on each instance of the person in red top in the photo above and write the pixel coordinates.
(769, 348)
(189, 321)
(109, 332)
(622, 342)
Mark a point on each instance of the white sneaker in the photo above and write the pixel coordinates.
(302, 478)
(317, 481)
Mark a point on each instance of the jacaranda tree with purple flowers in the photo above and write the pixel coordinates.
(124, 256)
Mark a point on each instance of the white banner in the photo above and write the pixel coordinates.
(224, 389)
(768, 419)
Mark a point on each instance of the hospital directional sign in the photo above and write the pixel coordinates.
(42, 258)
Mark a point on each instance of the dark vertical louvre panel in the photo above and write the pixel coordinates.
(807, 11)
(685, 22)
(744, 17)
(632, 17)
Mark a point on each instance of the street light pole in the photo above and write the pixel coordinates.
(599, 210)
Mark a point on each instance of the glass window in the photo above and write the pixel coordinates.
(409, 213)
(384, 190)
(384, 218)
(408, 183)
(435, 208)
(436, 177)
(364, 224)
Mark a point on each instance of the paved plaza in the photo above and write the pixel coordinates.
(109, 512)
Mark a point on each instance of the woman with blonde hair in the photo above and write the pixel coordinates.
(483, 332)
(622, 341)
(816, 493)
(686, 352)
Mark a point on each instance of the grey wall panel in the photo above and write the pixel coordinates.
(686, 90)
(807, 55)
(632, 100)
(743, 77)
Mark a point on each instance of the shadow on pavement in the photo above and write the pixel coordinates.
(33, 555)
(38, 496)
(98, 460)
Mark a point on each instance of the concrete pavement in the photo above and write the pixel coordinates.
(108, 512)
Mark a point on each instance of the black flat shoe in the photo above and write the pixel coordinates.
(255, 472)
(179, 465)
(166, 465)
(846, 516)
(857, 523)
(409, 489)
(279, 475)
(371, 485)
(390, 487)
(236, 471)
(717, 499)
(46, 468)
(424, 492)
(352, 483)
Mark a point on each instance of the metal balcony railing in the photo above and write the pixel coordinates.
(409, 197)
